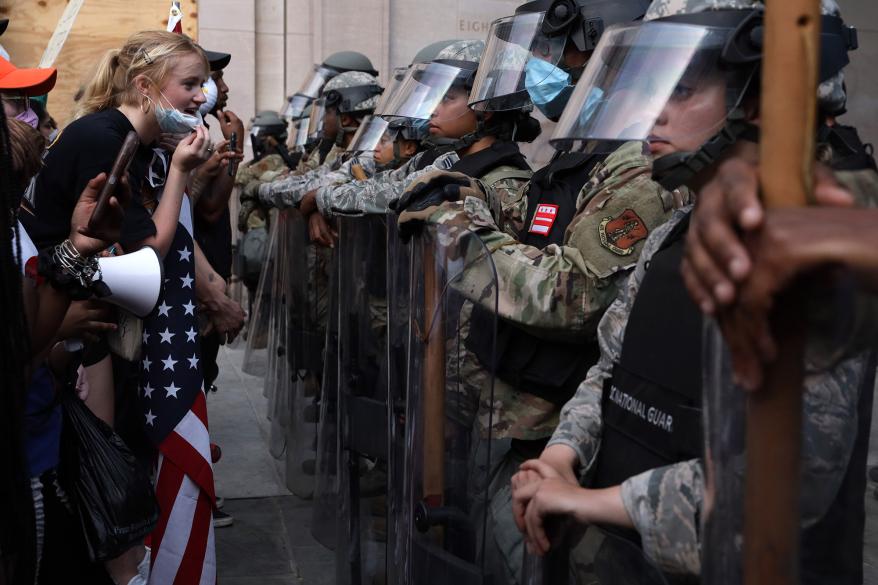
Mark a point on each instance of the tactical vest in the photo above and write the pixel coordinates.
(548, 369)
(847, 150)
(651, 405)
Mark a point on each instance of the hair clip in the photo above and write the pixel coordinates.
(146, 57)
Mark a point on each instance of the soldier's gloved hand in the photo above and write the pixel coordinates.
(436, 187)
(425, 195)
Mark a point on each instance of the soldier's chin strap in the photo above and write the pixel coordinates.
(468, 140)
(678, 169)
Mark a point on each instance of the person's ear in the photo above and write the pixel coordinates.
(143, 85)
(408, 148)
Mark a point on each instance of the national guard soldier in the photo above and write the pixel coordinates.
(634, 426)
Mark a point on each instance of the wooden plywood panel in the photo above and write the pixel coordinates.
(101, 25)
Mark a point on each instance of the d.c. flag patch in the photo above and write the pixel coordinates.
(619, 234)
(544, 219)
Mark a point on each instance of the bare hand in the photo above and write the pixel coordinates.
(219, 160)
(192, 151)
(717, 261)
(87, 320)
(89, 242)
(309, 203)
(320, 231)
(230, 122)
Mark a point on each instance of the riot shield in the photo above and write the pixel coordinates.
(447, 459)
(256, 350)
(325, 413)
(277, 385)
(362, 400)
(837, 542)
(304, 370)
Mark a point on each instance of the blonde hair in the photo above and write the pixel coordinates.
(149, 53)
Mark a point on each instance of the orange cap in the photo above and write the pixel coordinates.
(29, 82)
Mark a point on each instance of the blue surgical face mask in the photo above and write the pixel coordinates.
(29, 117)
(173, 121)
(549, 87)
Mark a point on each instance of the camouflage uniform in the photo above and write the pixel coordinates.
(562, 291)
(375, 195)
(286, 192)
(666, 504)
(249, 176)
(556, 292)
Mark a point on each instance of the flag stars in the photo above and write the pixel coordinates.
(147, 391)
(190, 335)
(184, 254)
(145, 337)
(171, 390)
(149, 418)
(163, 309)
(166, 335)
(193, 362)
(146, 364)
(187, 281)
(189, 308)
(169, 363)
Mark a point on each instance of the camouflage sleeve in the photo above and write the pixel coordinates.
(328, 184)
(375, 196)
(285, 192)
(665, 506)
(580, 424)
(508, 202)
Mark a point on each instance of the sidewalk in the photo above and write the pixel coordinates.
(270, 542)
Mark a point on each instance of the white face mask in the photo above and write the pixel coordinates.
(173, 121)
(211, 94)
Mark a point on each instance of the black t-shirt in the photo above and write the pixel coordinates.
(215, 240)
(86, 148)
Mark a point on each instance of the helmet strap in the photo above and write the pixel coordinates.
(678, 169)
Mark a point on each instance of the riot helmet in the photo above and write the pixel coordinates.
(267, 130)
(524, 60)
(341, 62)
(695, 62)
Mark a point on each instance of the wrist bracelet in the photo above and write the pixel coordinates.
(71, 272)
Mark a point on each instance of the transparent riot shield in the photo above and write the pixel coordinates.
(277, 385)
(304, 370)
(256, 350)
(837, 542)
(362, 400)
(447, 456)
(398, 335)
(325, 412)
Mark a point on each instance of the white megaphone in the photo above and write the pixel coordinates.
(135, 280)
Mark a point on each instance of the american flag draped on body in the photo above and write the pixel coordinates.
(175, 415)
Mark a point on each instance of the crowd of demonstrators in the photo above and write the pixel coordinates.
(85, 370)
(572, 345)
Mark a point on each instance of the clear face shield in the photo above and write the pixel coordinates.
(657, 82)
(423, 89)
(387, 95)
(295, 107)
(314, 83)
(301, 136)
(317, 120)
(518, 55)
(368, 135)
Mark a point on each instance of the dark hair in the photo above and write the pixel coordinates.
(16, 529)
(39, 109)
(26, 147)
(516, 125)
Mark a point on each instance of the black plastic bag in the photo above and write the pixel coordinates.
(115, 500)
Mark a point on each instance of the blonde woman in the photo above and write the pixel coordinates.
(152, 85)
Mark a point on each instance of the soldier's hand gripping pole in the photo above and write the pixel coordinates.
(434, 379)
(788, 117)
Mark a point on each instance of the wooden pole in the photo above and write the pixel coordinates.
(788, 117)
(433, 378)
